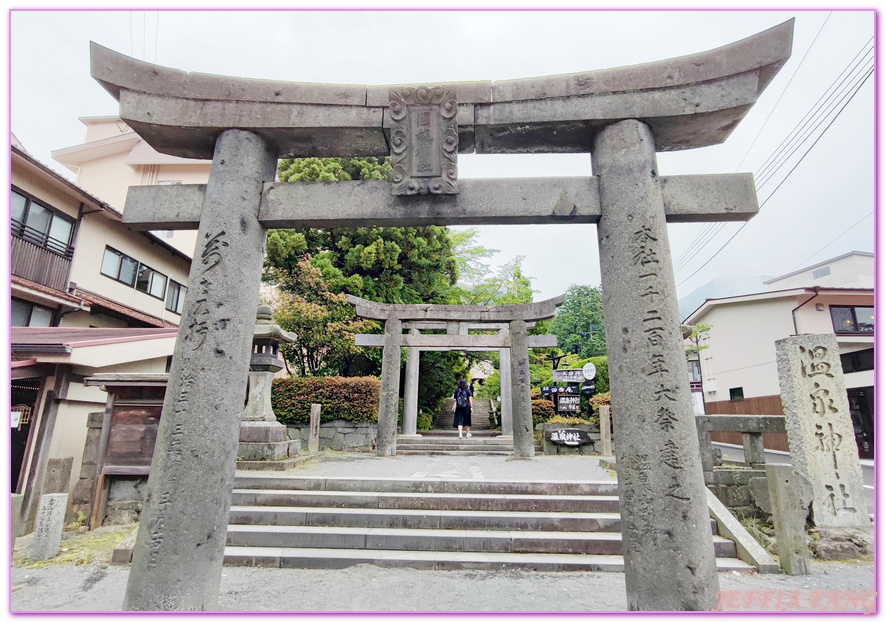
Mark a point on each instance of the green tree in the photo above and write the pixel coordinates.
(323, 322)
(578, 324)
(695, 337)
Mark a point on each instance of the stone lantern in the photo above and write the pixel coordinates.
(262, 437)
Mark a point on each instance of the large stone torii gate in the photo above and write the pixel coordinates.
(620, 116)
(511, 321)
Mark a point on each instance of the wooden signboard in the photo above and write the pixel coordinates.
(567, 436)
(568, 403)
(568, 376)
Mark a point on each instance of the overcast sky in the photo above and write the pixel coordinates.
(804, 222)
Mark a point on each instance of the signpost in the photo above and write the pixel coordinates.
(568, 403)
(589, 371)
(568, 376)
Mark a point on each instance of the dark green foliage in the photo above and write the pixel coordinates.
(425, 421)
(354, 399)
(578, 324)
(601, 382)
(439, 373)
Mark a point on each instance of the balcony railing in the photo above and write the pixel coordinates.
(33, 261)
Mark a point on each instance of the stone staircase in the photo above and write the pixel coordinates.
(311, 522)
(486, 442)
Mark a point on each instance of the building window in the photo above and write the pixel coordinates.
(150, 282)
(41, 225)
(859, 361)
(821, 272)
(852, 319)
(27, 314)
(736, 393)
(175, 297)
(120, 267)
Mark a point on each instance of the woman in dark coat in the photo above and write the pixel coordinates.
(464, 400)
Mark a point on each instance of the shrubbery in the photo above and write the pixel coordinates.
(542, 411)
(354, 399)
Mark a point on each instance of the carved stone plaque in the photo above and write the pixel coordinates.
(424, 140)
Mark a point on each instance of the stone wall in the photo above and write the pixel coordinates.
(339, 435)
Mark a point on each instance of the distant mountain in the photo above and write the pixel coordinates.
(727, 285)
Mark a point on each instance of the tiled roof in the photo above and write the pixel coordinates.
(78, 337)
(39, 287)
(97, 300)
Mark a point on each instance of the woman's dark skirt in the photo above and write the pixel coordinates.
(462, 416)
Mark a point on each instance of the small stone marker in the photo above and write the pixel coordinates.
(48, 526)
(57, 478)
(605, 432)
(819, 427)
(789, 519)
(16, 518)
(314, 435)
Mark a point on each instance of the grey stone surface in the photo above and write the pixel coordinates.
(410, 390)
(262, 432)
(605, 431)
(746, 545)
(692, 198)
(669, 553)
(314, 429)
(456, 342)
(788, 518)
(504, 374)
(15, 517)
(690, 102)
(743, 423)
(57, 477)
(521, 405)
(389, 390)
(819, 427)
(759, 490)
(258, 401)
(177, 560)
(754, 453)
(372, 310)
(48, 526)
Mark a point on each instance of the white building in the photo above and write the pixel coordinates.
(738, 372)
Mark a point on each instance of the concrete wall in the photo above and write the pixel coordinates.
(741, 343)
(742, 347)
(854, 271)
(97, 232)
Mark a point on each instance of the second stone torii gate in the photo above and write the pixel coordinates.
(514, 339)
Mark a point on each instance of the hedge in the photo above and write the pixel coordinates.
(354, 399)
(542, 411)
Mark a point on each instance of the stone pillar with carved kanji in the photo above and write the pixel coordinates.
(819, 428)
(660, 481)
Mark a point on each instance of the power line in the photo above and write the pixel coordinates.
(797, 139)
(711, 230)
(833, 241)
(829, 94)
(793, 75)
(794, 168)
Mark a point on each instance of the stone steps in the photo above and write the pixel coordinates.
(447, 442)
(310, 522)
(449, 539)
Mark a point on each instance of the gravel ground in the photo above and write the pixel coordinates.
(81, 580)
(366, 588)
